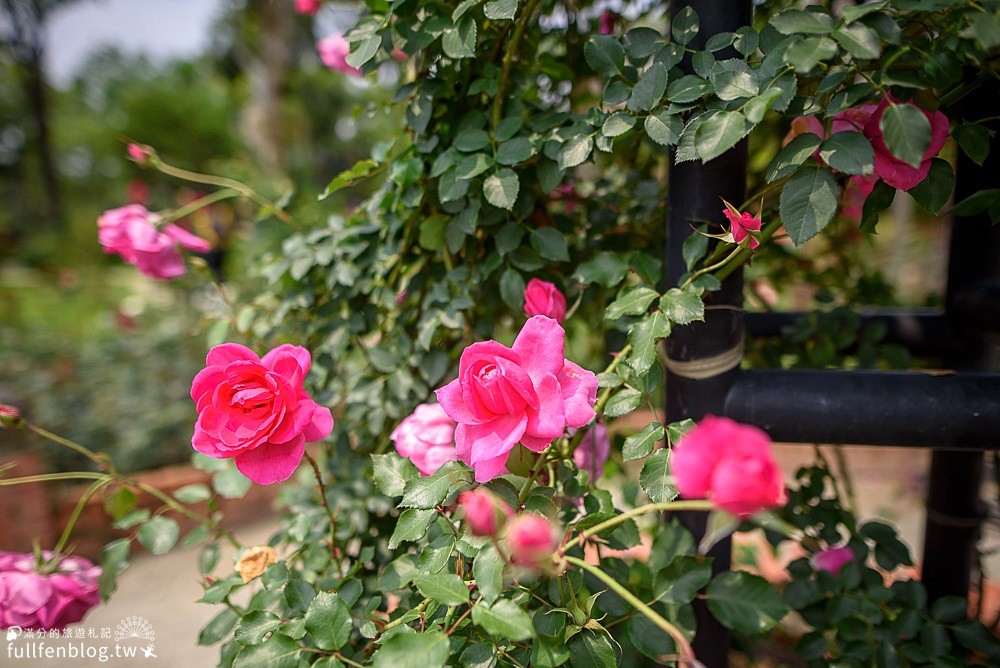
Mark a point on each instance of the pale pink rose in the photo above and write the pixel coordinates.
(593, 451)
(833, 559)
(484, 512)
(530, 540)
(333, 51)
(729, 463)
(44, 601)
(308, 6)
(544, 298)
(528, 393)
(130, 232)
(891, 169)
(426, 437)
(742, 225)
(256, 410)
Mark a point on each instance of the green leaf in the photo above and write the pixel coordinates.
(793, 21)
(719, 133)
(590, 649)
(411, 525)
(792, 156)
(641, 43)
(720, 525)
(472, 166)
(848, 152)
(684, 26)
(514, 151)
(159, 534)
(512, 288)
(254, 626)
(859, 40)
(604, 55)
(471, 140)
(391, 473)
(365, 51)
(208, 558)
(431, 238)
(605, 268)
(672, 541)
(328, 621)
(649, 89)
(640, 445)
(218, 628)
(632, 301)
(878, 201)
(504, 618)
(349, 177)
(644, 337)
(195, 493)
(807, 53)
(907, 132)
(550, 244)
(745, 602)
(278, 651)
(501, 10)
(682, 307)
(934, 191)
(230, 483)
(734, 80)
(488, 571)
(687, 89)
(459, 41)
(852, 13)
(462, 8)
(663, 127)
(655, 478)
(977, 202)
(114, 561)
(413, 650)
(501, 189)
(808, 203)
(575, 151)
(121, 502)
(678, 583)
(974, 139)
(650, 639)
(427, 492)
(623, 402)
(618, 124)
(445, 588)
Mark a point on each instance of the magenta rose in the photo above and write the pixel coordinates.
(333, 51)
(44, 601)
(426, 437)
(741, 226)
(308, 6)
(130, 231)
(484, 512)
(530, 540)
(593, 450)
(832, 559)
(544, 298)
(528, 393)
(729, 463)
(256, 410)
(891, 169)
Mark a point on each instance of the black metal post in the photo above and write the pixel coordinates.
(953, 513)
(695, 194)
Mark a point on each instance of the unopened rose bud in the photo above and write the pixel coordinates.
(484, 513)
(255, 561)
(10, 417)
(401, 297)
(833, 559)
(530, 540)
(140, 153)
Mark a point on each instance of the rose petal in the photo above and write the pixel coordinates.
(223, 354)
(321, 425)
(541, 346)
(269, 463)
(285, 351)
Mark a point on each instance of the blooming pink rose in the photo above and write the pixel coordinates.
(593, 451)
(333, 51)
(484, 512)
(45, 601)
(528, 393)
(308, 6)
(891, 169)
(426, 437)
(742, 225)
(832, 559)
(544, 298)
(256, 410)
(130, 232)
(530, 540)
(729, 463)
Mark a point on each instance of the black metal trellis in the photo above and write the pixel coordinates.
(958, 415)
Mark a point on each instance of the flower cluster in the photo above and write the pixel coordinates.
(528, 539)
(45, 599)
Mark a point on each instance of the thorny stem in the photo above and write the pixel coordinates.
(684, 647)
(222, 182)
(99, 459)
(326, 502)
(464, 615)
(399, 620)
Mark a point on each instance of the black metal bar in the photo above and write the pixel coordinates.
(695, 195)
(904, 408)
(953, 515)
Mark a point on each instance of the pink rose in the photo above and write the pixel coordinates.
(832, 559)
(857, 190)
(130, 232)
(308, 6)
(10, 417)
(592, 452)
(606, 24)
(729, 463)
(484, 513)
(333, 51)
(426, 437)
(544, 298)
(528, 393)
(530, 540)
(45, 601)
(742, 225)
(139, 153)
(891, 169)
(256, 410)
